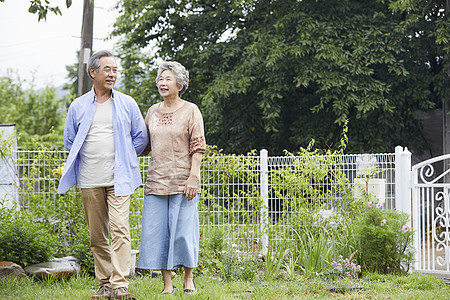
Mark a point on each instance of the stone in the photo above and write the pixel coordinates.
(10, 269)
(59, 268)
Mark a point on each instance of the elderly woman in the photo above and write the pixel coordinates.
(170, 226)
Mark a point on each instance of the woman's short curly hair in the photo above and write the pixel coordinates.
(180, 72)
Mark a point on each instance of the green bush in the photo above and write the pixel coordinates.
(235, 268)
(81, 249)
(215, 240)
(383, 239)
(68, 223)
(24, 241)
(210, 254)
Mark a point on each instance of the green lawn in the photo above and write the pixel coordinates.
(373, 286)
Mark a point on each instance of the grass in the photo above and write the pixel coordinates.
(373, 286)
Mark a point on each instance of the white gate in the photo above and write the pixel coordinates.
(429, 186)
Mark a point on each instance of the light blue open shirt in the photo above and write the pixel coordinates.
(130, 139)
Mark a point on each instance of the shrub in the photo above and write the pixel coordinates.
(81, 249)
(383, 239)
(211, 251)
(68, 224)
(235, 268)
(23, 241)
(215, 240)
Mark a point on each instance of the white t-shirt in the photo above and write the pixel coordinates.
(97, 153)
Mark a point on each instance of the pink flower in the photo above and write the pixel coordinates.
(379, 205)
(404, 228)
(383, 222)
(370, 203)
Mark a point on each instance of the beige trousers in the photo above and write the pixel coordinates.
(103, 208)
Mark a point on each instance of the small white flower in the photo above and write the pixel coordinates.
(234, 246)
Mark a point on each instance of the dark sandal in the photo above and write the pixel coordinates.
(168, 293)
(189, 291)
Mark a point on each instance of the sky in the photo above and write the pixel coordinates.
(42, 50)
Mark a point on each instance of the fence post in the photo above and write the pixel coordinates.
(398, 177)
(264, 186)
(402, 180)
(403, 194)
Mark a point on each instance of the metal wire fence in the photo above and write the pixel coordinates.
(240, 194)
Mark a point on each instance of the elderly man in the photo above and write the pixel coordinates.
(104, 134)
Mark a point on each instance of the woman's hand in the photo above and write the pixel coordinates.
(191, 187)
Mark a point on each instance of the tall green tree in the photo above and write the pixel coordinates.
(275, 74)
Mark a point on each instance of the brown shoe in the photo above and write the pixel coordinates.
(122, 293)
(104, 292)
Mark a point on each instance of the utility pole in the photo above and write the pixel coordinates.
(87, 28)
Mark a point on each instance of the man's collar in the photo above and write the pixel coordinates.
(94, 98)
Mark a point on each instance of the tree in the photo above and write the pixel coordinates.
(72, 76)
(37, 115)
(42, 7)
(275, 74)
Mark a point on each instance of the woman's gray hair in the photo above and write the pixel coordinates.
(94, 60)
(181, 74)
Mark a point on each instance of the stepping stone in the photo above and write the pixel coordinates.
(10, 269)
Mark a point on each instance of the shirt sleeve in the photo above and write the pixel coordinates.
(197, 143)
(70, 128)
(148, 148)
(139, 133)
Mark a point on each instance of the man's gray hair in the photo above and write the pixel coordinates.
(94, 60)
(181, 74)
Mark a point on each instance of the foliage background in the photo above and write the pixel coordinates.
(274, 74)
(38, 114)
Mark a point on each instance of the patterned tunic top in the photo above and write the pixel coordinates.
(174, 137)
